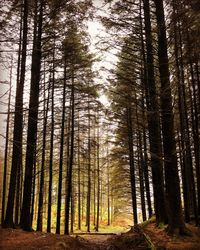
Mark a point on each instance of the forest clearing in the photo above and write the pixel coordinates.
(100, 124)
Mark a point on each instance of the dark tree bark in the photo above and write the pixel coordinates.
(140, 168)
(98, 175)
(18, 123)
(141, 179)
(89, 171)
(94, 175)
(67, 169)
(145, 163)
(61, 152)
(71, 158)
(182, 122)
(33, 189)
(195, 120)
(141, 163)
(189, 192)
(196, 140)
(175, 218)
(18, 193)
(32, 118)
(154, 123)
(79, 174)
(51, 147)
(131, 163)
(41, 192)
(146, 175)
(6, 149)
(108, 191)
(144, 132)
(186, 138)
(72, 208)
(108, 181)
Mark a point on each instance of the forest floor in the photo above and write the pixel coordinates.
(15, 239)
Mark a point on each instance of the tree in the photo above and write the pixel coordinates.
(6, 149)
(18, 122)
(61, 149)
(25, 221)
(175, 219)
(41, 192)
(153, 122)
(51, 146)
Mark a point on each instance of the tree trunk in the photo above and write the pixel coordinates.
(18, 124)
(98, 175)
(89, 170)
(71, 158)
(67, 170)
(175, 219)
(131, 163)
(61, 153)
(6, 150)
(32, 119)
(108, 180)
(154, 123)
(79, 175)
(41, 192)
(94, 175)
(140, 163)
(51, 147)
(33, 189)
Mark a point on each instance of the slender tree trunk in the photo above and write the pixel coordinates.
(33, 191)
(71, 159)
(98, 175)
(42, 174)
(83, 197)
(51, 147)
(101, 196)
(89, 171)
(79, 175)
(141, 174)
(144, 139)
(17, 197)
(32, 120)
(131, 163)
(18, 189)
(18, 128)
(146, 170)
(67, 169)
(72, 208)
(17, 202)
(108, 181)
(94, 175)
(61, 153)
(6, 149)
(146, 175)
(140, 163)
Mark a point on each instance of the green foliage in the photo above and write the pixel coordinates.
(161, 225)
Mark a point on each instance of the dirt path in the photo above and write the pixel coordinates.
(16, 239)
(97, 241)
(126, 241)
(11, 239)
